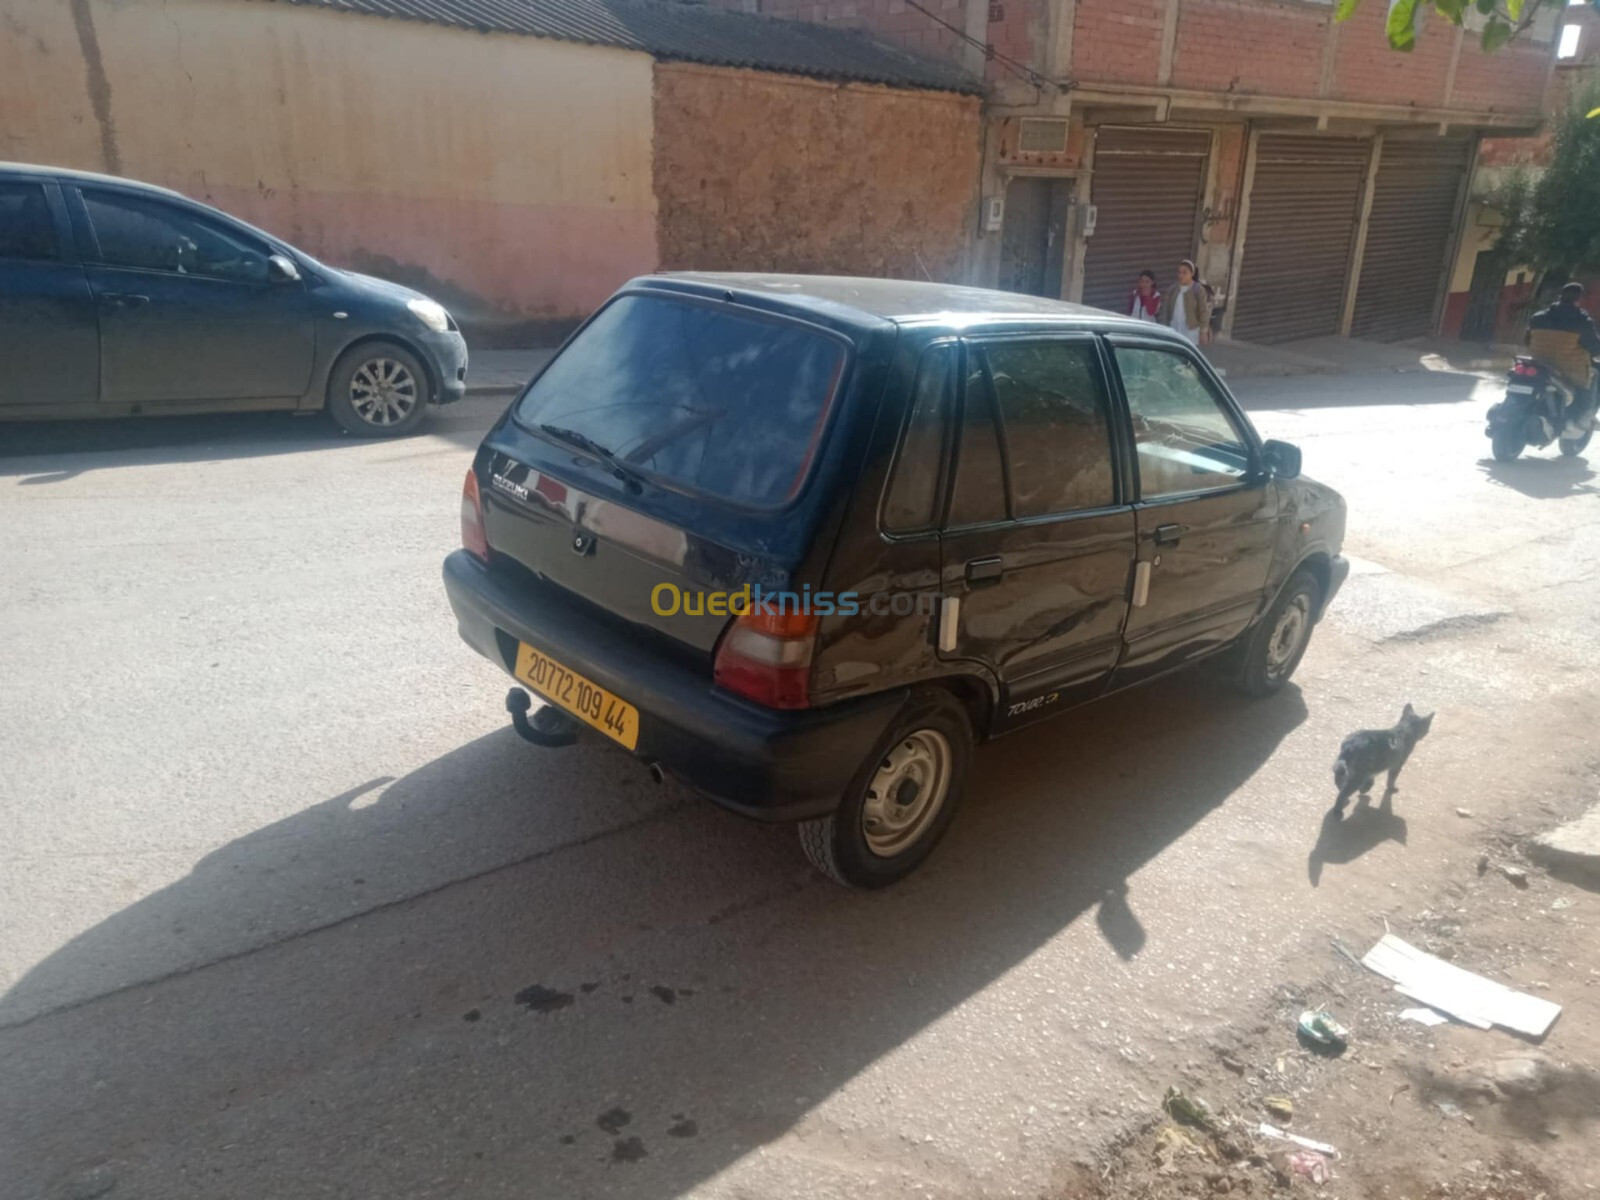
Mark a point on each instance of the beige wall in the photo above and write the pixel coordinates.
(764, 172)
(506, 174)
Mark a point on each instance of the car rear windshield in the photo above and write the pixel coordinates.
(718, 402)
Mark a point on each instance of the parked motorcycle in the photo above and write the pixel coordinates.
(1534, 413)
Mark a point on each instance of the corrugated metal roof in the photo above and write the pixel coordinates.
(683, 31)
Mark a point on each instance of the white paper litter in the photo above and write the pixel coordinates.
(1469, 998)
(1272, 1131)
(1424, 1016)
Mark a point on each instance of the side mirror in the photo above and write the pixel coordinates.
(1281, 459)
(281, 269)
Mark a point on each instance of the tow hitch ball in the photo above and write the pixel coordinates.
(549, 726)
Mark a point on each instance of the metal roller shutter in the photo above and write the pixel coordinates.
(1409, 233)
(1305, 203)
(1147, 189)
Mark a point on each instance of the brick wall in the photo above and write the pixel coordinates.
(1117, 41)
(1243, 47)
(1249, 47)
(1365, 69)
(761, 172)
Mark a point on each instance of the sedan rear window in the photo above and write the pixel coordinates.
(719, 402)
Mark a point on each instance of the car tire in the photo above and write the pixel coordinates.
(378, 389)
(1572, 447)
(1507, 445)
(1280, 638)
(879, 833)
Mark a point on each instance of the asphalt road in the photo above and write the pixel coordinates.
(288, 911)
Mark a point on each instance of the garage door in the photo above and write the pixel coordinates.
(1305, 203)
(1414, 201)
(1146, 189)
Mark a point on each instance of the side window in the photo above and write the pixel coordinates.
(980, 488)
(27, 230)
(919, 465)
(152, 236)
(1186, 441)
(1053, 410)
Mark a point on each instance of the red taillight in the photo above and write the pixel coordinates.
(473, 538)
(1524, 368)
(766, 657)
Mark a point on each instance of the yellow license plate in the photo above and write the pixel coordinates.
(583, 698)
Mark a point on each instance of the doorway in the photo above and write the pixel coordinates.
(1033, 241)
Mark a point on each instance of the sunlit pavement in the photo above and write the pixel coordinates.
(288, 911)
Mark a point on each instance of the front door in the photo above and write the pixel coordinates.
(1033, 240)
(49, 338)
(1207, 513)
(1038, 543)
(188, 310)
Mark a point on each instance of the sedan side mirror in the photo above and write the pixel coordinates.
(281, 269)
(1281, 459)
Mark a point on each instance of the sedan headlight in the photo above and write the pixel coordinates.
(430, 313)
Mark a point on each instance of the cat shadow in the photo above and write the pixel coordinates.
(1343, 839)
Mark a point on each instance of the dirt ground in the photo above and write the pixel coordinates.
(1415, 1112)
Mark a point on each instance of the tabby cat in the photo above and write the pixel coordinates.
(1368, 751)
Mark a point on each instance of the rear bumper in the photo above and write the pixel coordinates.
(759, 762)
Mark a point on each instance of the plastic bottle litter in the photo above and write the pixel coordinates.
(1191, 1110)
(1321, 1029)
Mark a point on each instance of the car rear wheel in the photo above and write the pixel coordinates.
(1280, 639)
(378, 390)
(901, 800)
(1507, 445)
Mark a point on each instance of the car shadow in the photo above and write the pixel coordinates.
(520, 1019)
(44, 452)
(1343, 839)
(1543, 478)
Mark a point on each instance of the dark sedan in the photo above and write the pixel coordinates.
(122, 299)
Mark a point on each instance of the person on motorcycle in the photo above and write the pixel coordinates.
(1564, 338)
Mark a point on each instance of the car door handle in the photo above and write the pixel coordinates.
(982, 572)
(1170, 535)
(123, 300)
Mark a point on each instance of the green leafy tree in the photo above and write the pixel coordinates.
(1549, 218)
(1503, 19)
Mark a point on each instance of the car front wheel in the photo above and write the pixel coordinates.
(378, 390)
(1280, 640)
(901, 800)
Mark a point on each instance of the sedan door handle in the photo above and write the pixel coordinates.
(123, 300)
(1170, 535)
(983, 572)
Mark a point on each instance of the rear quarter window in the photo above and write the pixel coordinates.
(709, 399)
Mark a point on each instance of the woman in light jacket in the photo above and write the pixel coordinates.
(1186, 306)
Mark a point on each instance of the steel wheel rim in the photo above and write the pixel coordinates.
(383, 391)
(906, 793)
(1288, 633)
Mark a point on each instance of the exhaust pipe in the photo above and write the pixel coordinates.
(657, 775)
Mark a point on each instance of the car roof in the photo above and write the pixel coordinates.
(870, 301)
(42, 172)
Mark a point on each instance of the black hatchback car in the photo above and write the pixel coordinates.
(803, 541)
(122, 299)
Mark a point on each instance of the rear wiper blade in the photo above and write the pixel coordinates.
(588, 445)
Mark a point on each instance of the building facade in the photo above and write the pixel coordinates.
(518, 161)
(1317, 177)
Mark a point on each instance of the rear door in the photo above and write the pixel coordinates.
(1207, 514)
(49, 337)
(188, 311)
(1038, 540)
